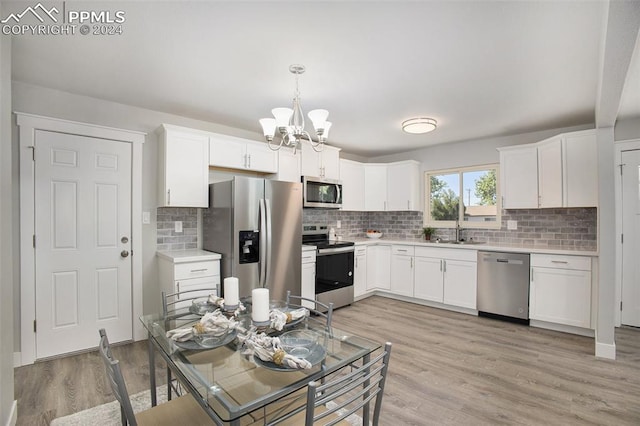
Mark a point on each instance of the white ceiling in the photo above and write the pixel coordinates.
(481, 68)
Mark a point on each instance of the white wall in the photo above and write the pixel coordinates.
(54, 103)
(7, 407)
(627, 129)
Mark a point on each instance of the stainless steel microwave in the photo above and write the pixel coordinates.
(321, 193)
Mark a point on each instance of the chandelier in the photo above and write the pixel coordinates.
(290, 122)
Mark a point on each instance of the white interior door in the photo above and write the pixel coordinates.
(631, 244)
(82, 241)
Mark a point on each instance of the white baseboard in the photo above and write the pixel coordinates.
(17, 359)
(605, 350)
(13, 416)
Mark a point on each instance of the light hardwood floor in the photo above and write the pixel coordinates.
(446, 369)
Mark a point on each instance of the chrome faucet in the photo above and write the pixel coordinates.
(458, 231)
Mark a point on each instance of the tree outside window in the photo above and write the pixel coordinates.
(468, 196)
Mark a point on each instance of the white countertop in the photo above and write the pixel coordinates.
(484, 247)
(181, 256)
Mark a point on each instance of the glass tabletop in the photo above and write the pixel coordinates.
(234, 384)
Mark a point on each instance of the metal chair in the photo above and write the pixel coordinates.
(183, 410)
(319, 308)
(172, 302)
(345, 394)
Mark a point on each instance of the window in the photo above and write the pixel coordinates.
(466, 195)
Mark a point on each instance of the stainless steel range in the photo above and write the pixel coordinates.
(334, 266)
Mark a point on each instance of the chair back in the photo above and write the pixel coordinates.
(321, 309)
(350, 393)
(182, 299)
(116, 380)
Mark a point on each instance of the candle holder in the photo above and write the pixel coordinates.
(230, 308)
(261, 325)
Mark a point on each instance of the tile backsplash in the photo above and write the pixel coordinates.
(569, 229)
(167, 237)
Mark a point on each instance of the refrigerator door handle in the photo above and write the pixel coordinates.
(263, 243)
(267, 269)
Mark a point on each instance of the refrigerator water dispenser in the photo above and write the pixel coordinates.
(249, 246)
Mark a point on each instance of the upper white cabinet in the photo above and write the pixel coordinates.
(580, 166)
(324, 164)
(183, 169)
(403, 186)
(288, 165)
(519, 177)
(375, 187)
(352, 177)
(558, 172)
(392, 186)
(237, 153)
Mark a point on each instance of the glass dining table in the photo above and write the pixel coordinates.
(236, 388)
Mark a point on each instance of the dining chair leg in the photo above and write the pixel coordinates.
(168, 384)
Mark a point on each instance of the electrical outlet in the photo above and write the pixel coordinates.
(178, 226)
(338, 224)
(512, 225)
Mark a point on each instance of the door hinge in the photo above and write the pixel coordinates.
(34, 240)
(621, 238)
(35, 328)
(621, 305)
(621, 166)
(33, 152)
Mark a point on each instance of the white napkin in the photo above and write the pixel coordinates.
(279, 318)
(212, 323)
(269, 349)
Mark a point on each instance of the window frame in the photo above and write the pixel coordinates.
(427, 221)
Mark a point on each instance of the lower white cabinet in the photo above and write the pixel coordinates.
(189, 270)
(379, 267)
(308, 288)
(360, 271)
(402, 271)
(560, 290)
(446, 276)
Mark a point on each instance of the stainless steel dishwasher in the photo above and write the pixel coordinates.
(503, 286)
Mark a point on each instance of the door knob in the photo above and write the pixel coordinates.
(124, 253)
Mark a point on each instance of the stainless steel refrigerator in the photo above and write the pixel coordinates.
(256, 225)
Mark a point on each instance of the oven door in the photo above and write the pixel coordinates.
(334, 269)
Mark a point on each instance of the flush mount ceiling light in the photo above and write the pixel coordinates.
(419, 125)
(290, 122)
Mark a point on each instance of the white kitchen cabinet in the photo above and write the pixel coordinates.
(237, 153)
(189, 270)
(580, 168)
(403, 186)
(446, 276)
(560, 290)
(324, 164)
(360, 271)
(550, 173)
(379, 267)
(352, 177)
(429, 283)
(183, 169)
(460, 283)
(288, 165)
(402, 270)
(308, 286)
(519, 177)
(558, 172)
(375, 187)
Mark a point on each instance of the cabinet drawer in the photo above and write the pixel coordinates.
(309, 256)
(196, 269)
(360, 251)
(398, 250)
(581, 263)
(467, 255)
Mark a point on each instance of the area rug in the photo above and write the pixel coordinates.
(109, 414)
